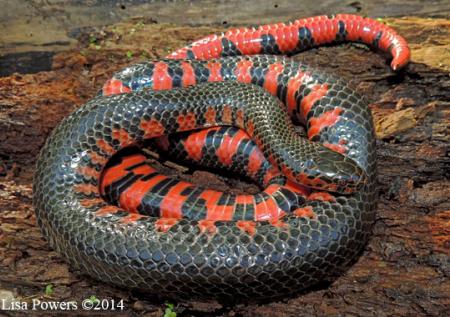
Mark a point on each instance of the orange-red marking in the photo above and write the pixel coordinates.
(247, 226)
(322, 196)
(242, 71)
(164, 224)
(131, 218)
(305, 212)
(268, 210)
(114, 86)
(297, 188)
(272, 189)
(143, 170)
(286, 37)
(152, 128)
(270, 174)
(187, 121)
(161, 78)
(117, 172)
(188, 74)
(214, 71)
(302, 178)
(289, 174)
(323, 32)
(122, 136)
(340, 147)
(195, 142)
(319, 183)
(216, 212)
(326, 119)
(107, 210)
(316, 93)
(250, 128)
(247, 41)
(97, 158)
(211, 197)
(207, 47)
(132, 197)
(229, 146)
(336, 147)
(244, 199)
(207, 226)
(86, 189)
(210, 116)
(87, 203)
(278, 223)
(356, 30)
(172, 203)
(227, 115)
(271, 78)
(240, 118)
(105, 147)
(89, 172)
(293, 86)
(255, 161)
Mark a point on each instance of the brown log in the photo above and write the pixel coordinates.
(405, 268)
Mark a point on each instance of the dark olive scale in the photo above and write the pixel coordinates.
(266, 259)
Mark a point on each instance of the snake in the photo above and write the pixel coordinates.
(227, 101)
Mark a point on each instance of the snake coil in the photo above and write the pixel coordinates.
(128, 225)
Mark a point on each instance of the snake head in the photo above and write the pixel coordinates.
(337, 173)
(329, 171)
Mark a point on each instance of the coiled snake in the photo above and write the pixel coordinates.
(129, 225)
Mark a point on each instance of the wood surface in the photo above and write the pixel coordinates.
(405, 268)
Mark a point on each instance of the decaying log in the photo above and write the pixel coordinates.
(405, 269)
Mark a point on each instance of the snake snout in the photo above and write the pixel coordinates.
(341, 173)
(350, 176)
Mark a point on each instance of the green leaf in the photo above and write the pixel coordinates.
(169, 310)
(93, 299)
(49, 290)
(92, 39)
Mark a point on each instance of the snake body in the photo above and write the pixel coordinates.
(119, 220)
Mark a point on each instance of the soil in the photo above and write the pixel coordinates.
(405, 268)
